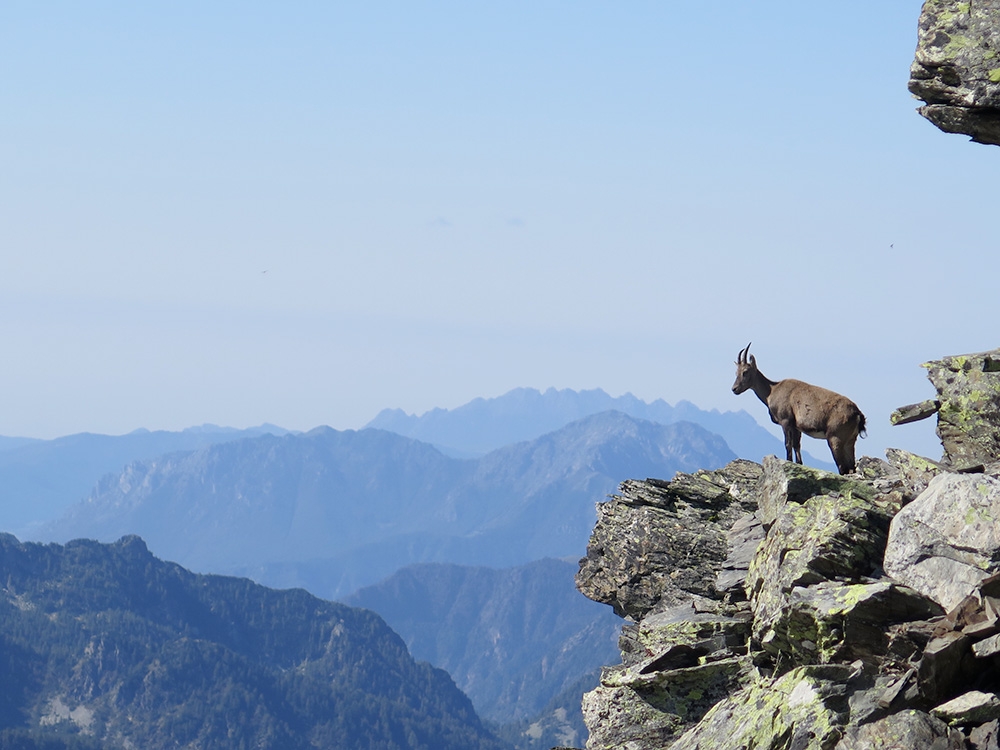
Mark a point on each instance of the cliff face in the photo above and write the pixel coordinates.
(778, 606)
(956, 68)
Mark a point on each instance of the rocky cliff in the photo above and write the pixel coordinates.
(778, 606)
(956, 68)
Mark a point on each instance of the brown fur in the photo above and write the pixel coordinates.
(802, 408)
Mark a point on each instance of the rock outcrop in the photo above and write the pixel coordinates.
(778, 606)
(967, 407)
(956, 68)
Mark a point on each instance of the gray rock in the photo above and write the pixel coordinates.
(783, 483)
(940, 671)
(659, 544)
(968, 416)
(973, 707)
(704, 633)
(914, 472)
(742, 541)
(822, 526)
(806, 708)
(840, 622)
(955, 69)
(985, 737)
(643, 708)
(910, 729)
(947, 541)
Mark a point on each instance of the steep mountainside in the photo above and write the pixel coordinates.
(522, 414)
(108, 642)
(39, 479)
(333, 511)
(511, 639)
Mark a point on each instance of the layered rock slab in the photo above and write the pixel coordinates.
(820, 526)
(659, 544)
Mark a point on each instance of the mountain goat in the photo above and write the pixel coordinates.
(799, 407)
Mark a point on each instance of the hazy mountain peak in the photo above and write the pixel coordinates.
(486, 424)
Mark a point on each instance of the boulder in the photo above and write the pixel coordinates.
(968, 412)
(914, 472)
(986, 736)
(973, 707)
(805, 708)
(947, 541)
(908, 729)
(841, 622)
(955, 69)
(644, 707)
(822, 526)
(660, 544)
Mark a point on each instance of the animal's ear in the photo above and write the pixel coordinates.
(753, 361)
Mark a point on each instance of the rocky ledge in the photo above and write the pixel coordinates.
(777, 606)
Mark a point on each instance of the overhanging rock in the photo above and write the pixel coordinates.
(956, 71)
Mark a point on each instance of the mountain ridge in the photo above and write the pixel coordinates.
(40, 478)
(485, 424)
(242, 506)
(106, 641)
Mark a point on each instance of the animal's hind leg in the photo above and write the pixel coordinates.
(843, 454)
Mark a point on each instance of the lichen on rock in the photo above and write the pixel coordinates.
(871, 615)
(661, 543)
(947, 541)
(956, 70)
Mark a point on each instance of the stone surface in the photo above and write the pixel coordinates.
(973, 707)
(822, 526)
(956, 69)
(968, 420)
(940, 671)
(642, 707)
(659, 544)
(704, 633)
(915, 472)
(783, 483)
(986, 736)
(806, 708)
(947, 541)
(914, 412)
(906, 730)
(840, 622)
(742, 541)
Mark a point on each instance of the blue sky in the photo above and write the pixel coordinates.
(302, 214)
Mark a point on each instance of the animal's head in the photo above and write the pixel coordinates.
(745, 371)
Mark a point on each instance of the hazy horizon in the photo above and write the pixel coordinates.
(246, 214)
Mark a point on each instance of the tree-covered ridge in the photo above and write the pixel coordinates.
(107, 643)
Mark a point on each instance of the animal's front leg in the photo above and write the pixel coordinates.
(792, 440)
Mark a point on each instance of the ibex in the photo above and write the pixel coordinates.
(799, 407)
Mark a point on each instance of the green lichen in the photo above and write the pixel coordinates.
(799, 704)
(993, 73)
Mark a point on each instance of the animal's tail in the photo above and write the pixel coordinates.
(861, 425)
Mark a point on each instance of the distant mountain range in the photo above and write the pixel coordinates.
(483, 425)
(511, 639)
(39, 479)
(513, 479)
(105, 646)
(332, 511)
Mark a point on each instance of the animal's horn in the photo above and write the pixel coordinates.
(743, 353)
